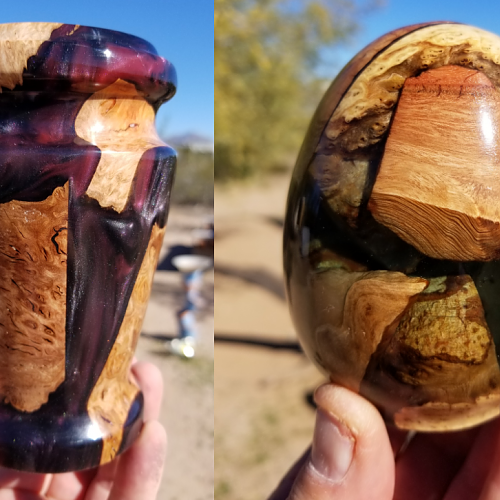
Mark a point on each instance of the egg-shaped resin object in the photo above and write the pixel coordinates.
(392, 233)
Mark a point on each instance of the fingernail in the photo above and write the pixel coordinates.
(332, 448)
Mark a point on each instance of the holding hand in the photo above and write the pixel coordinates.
(354, 456)
(134, 475)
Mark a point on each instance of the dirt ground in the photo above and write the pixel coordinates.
(188, 403)
(263, 383)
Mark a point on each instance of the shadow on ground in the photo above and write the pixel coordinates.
(254, 340)
(255, 276)
(250, 339)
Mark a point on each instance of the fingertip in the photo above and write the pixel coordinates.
(149, 452)
(354, 411)
(351, 455)
(147, 374)
(332, 449)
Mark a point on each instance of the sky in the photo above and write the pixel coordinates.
(182, 31)
(395, 14)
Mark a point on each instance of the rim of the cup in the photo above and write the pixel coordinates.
(76, 26)
(119, 39)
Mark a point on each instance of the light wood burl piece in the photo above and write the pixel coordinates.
(443, 352)
(378, 84)
(18, 42)
(450, 327)
(121, 124)
(440, 416)
(347, 135)
(33, 308)
(353, 311)
(438, 186)
(114, 392)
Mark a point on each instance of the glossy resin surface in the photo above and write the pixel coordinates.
(84, 190)
(392, 234)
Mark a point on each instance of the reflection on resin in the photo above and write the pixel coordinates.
(392, 235)
(83, 207)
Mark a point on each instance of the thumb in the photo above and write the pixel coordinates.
(351, 456)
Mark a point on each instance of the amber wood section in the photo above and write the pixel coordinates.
(121, 124)
(114, 392)
(342, 182)
(18, 42)
(437, 187)
(443, 350)
(446, 323)
(33, 309)
(353, 311)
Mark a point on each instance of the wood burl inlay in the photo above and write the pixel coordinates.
(33, 308)
(337, 90)
(435, 416)
(121, 124)
(114, 392)
(353, 136)
(443, 350)
(449, 326)
(352, 322)
(19, 42)
(437, 186)
(378, 85)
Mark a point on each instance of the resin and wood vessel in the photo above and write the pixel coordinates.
(84, 189)
(392, 233)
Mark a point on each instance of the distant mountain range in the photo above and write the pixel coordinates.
(193, 141)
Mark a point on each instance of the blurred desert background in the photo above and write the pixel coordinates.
(268, 81)
(188, 402)
(263, 382)
(240, 412)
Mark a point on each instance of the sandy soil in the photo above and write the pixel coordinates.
(263, 383)
(188, 404)
(263, 420)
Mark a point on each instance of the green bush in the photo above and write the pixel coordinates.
(266, 86)
(194, 180)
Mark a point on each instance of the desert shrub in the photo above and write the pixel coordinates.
(194, 180)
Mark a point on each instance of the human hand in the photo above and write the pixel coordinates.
(354, 456)
(135, 474)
